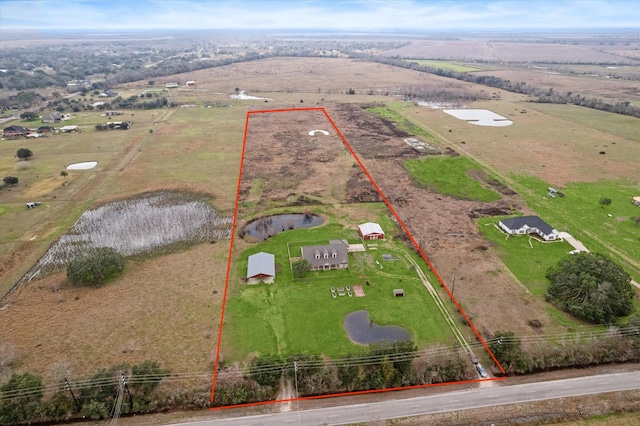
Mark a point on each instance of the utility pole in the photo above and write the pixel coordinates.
(124, 384)
(453, 288)
(295, 370)
(66, 382)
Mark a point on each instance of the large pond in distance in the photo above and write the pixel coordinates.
(264, 227)
(361, 330)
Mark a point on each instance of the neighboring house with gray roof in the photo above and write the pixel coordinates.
(327, 257)
(261, 268)
(529, 225)
(54, 117)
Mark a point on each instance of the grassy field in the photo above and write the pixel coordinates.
(581, 214)
(300, 315)
(445, 65)
(402, 123)
(164, 148)
(450, 176)
(619, 125)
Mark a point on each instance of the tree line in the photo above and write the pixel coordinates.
(385, 366)
(26, 400)
(539, 95)
(618, 345)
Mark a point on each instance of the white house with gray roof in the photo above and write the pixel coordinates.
(261, 268)
(528, 225)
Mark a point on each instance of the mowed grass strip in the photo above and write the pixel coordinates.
(295, 316)
(450, 176)
(400, 122)
(445, 65)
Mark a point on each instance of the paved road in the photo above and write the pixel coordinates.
(450, 401)
(576, 244)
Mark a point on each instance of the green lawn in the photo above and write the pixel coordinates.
(450, 176)
(300, 316)
(445, 65)
(581, 214)
(527, 257)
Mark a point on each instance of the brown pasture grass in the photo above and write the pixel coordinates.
(286, 160)
(45, 186)
(296, 76)
(198, 149)
(165, 309)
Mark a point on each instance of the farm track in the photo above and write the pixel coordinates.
(443, 309)
(634, 264)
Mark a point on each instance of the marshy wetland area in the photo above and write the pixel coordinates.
(295, 146)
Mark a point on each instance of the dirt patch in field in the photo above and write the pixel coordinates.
(285, 165)
(358, 291)
(359, 187)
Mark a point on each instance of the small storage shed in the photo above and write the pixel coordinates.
(261, 268)
(371, 231)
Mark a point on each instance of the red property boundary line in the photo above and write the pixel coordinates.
(399, 221)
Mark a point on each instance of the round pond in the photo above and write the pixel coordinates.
(264, 227)
(361, 330)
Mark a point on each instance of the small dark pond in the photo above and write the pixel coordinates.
(361, 330)
(264, 227)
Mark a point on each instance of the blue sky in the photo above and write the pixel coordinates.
(356, 15)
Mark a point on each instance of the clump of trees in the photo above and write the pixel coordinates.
(10, 181)
(24, 153)
(29, 116)
(301, 268)
(614, 345)
(591, 287)
(95, 267)
(23, 400)
(112, 126)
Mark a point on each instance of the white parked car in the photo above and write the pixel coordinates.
(481, 370)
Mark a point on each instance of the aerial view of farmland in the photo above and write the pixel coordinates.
(209, 224)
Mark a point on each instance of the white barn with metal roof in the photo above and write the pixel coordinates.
(371, 231)
(261, 268)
